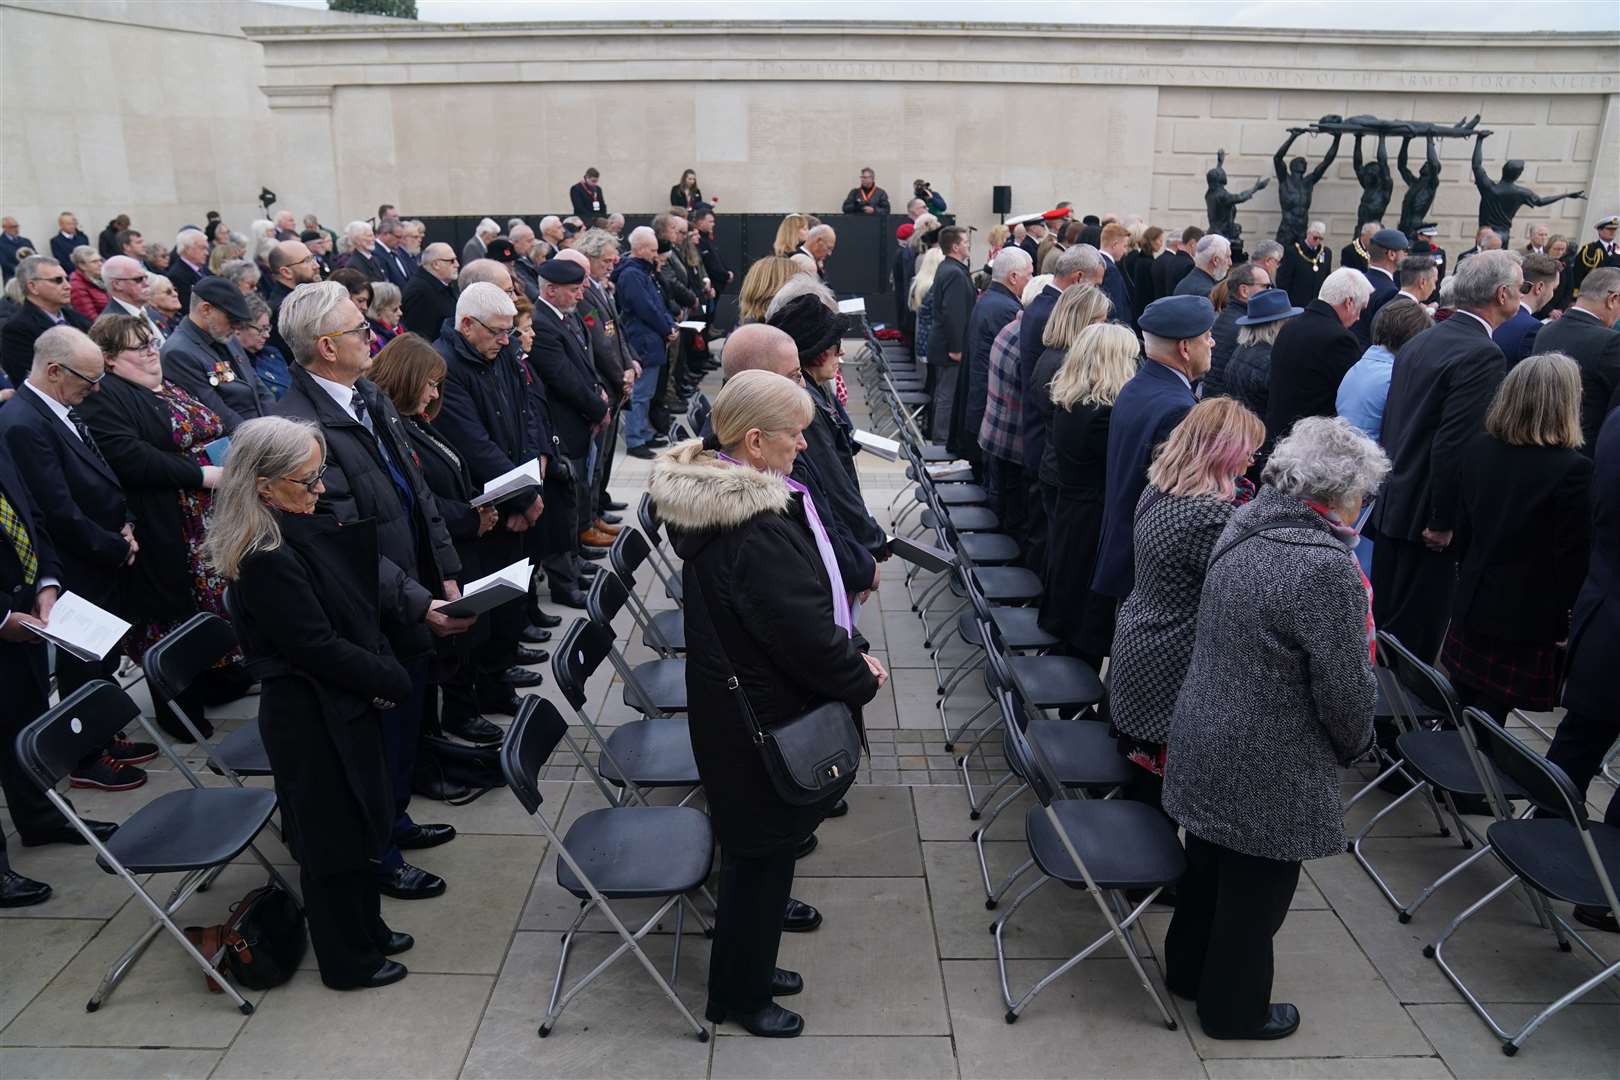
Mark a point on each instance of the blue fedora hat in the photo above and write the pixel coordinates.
(1268, 305)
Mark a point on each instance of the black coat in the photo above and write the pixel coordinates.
(1444, 380)
(1074, 470)
(1299, 276)
(580, 197)
(1385, 289)
(1594, 638)
(1168, 270)
(953, 295)
(183, 277)
(1119, 293)
(484, 414)
(415, 554)
(878, 200)
(1036, 417)
(831, 449)
(62, 247)
(132, 426)
(1521, 539)
(310, 623)
(563, 363)
(17, 337)
(77, 494)
(192, 360)
(1596, 349)
(1308, 360)
(426, 302)
(1225, 333)
(22, 663)
(758, 595)
(370, 265)
(996, 307)
(1144, 287)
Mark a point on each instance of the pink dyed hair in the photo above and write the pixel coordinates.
(1209, 448)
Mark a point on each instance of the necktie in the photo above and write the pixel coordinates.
(84, 435)
(12, 527)
(358, 404)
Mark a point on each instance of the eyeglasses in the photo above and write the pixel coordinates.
(86, 378)
(1525, 287)
(53, 280)
(138, 277)
(363, 329)
(500, 335)
(254, 329)
(444, 258)
(147, 346)
(308, 485)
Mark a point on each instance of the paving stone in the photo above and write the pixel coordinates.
(877, 838)
(34, 952)
(82, 1063)
(1581, 1041)
(496, 812)
(1056, 922)
(79, 888)
(942, 814)
(419, 1027)
(620, 1026)
(1398, 1068)
(834, 1057)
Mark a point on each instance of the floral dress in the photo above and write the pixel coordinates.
(193, 426)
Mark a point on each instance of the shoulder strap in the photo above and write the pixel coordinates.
(1252, 530)
(732, 682)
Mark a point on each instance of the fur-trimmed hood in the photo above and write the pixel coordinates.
(695, 490)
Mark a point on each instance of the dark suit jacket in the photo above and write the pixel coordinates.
(22, 666)
(996, 308)
(1119, 293)
(953, 305)
(62, 247)
(77, 493)
(580, 198)
(572, 388)
(1444, 380)
(426, 303)
(183, 277)
(1168, 270)
(1516, 336)
(396, 264)
(1308, 361)
(1594, 637)
(1195, 282)
(1596, 349)
(1146, 411)
(17, 337)
(369, 265)
(484, 414)
(1385, 289)
(190, 358)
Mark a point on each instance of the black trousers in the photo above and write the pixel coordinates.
(401, 729)
(748, 928)
(22, 702)
(1412, 591)
(556, 534)
(344, 913)
(1578, 747)
(1034, 523)
(604, 465)
(1005, 483)
(1218, 949)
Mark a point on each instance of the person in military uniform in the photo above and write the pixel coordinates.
(1354, 254)
(1600, 252)
(1306, 264)
(1424, 244)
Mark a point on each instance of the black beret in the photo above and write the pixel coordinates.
(811, 324)
(310, 234)
(562, 271)
(501, 250)
(225, 296)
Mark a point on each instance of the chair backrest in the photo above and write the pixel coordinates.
(698, 411)
(81, 724)
(536, 731)
(997, 672)
(184, 653)
(1027, 759)
(628, 551)
(1412, 676)
(574, 661)
(647, 518)
(680, 430)
(606, 598)
(1546, 785)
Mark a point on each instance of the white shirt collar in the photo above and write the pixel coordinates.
(1383, 270)
(1476, 318)
(554, 311)
(56, 407)
(343, 395)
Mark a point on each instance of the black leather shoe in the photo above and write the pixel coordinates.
(397, 943)
(408, 882)
(391, 972)
(644, 452)
(806, 846)
(518, 677)
(67, 834)
(573, 598)
(1597, 918)
(474, 729)
(491, 703)
(839, 808)
(609, 518)
(799, 917)
(594, 554)
(771, 1022)
(532, 656)
(1282, 1022)
(424, 836)
(18, 891)
(535, 635)
(545, 620)
(614, 504)
(588, 570)
(658, 442)
(785, 983)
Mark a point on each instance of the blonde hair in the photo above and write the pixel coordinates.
(1078, 307)
(1539, 403)
(1208, 449)
(760, 284)
(927, 267)
(787, 233)
(762, 400)
(998, 237)
(1099, 363)
(240, 524)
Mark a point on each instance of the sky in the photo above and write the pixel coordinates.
(1542, 15)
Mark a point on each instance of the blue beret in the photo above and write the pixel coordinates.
(1391, 240)
(1178, 317)
(562, 271)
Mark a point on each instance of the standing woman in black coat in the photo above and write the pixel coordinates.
(765, 601)
(411, 372)
(1522, 541)
(305, 593)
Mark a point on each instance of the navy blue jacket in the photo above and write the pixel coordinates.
(62, 247)
(1384, 290)
(484, 414)
(996, 308)
(1594, 636)
(8, 253)
(1516, 336)
(642, 313)
(1146, 411)
(1119, 293)
(192, 361)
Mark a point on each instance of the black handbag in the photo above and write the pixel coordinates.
(261, 942)
(454, 773)
(810, 758)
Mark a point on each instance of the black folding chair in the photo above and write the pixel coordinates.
(190, 832)
(662, 631)
(647, 518)
(171, 666)
(653, 688)
(1559, 855)
(1104, 847)
(617, 853)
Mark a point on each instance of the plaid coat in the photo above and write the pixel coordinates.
(1000, 431)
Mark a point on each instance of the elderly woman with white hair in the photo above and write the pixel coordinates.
(768, 628)
(1278, 696)
(88, 291)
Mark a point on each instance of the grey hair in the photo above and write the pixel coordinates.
(306, 314)
(550, 221)
(384, 294)
(1260, 333)
(82, 254)
(1036, 285)
(512, 223)
(1479, 276)
(261, 227)
(186, 237)
(1326, 459)
(57, 346)
(822, 232)
(28, 270)
(1316, 227)
(256, 305)
(640, 235)
(801, 285)
(1210, 247)
(595, 243)
(388, 227)
(13, 291)
(518, 231)
(1082, 259)
(1345, 283)
(487, 225)
(484, 300)
(805, 263)
(1010, 260)
(240, 524)
(1447, 294)
(485, 270)
(354, 229)
(1266, 249)
(240, 271)
(157, 282)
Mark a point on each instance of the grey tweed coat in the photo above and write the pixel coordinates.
(1279, 692)
(1153, 638)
